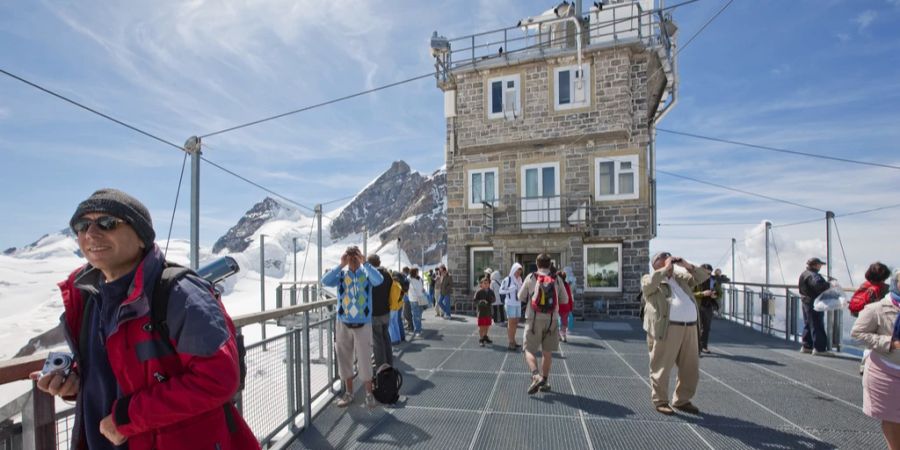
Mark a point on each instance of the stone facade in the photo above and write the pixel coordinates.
(625, 87)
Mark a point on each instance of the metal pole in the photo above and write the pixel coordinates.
(193, 147)
(365, 241)
(307, 407)
(398, 254)
(768, 230)
(262, 279)
(295, 260)
(834, 323)
(764, 298)
(318, 210)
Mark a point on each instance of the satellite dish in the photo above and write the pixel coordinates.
(192, 145)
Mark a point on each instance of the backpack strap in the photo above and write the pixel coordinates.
(159, 304)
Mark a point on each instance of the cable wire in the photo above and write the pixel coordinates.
(87, 108)
(711, 19)
(175, 208)
(778, 258)
(779, 150)
(841, 242)
(775, 199)
(306, 256)
(257, 185)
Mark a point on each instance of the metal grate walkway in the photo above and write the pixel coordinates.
(754, 392)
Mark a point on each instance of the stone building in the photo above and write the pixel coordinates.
(550, 135)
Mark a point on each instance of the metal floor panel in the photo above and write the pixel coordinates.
(418, 428)
(623, 434)
(425, 358)
(512, 396)
(456, 390)
(489, 361)
(501, 431)
(588, 364)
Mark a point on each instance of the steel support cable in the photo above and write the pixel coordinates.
(691, 224)
(775, 199)
(711, 19)
(306, 255)
(778, 258)
(724, 256)
(841, 242)
(779, 150)
(740, 258)
(87, 108)
(256, 184)
(175, 208)
(866, 211)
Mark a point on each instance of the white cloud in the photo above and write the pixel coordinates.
(843, 37)
(865, 18)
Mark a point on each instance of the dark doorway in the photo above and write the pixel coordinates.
(527, 261)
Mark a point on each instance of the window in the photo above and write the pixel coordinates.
(616, 178)
(540, 206)
(503, 98)
(480, 258)
(483, 187)
(603, 267)
(572, 88)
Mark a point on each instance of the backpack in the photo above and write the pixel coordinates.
(863, 296)
(387, 385)
(544, 298)
(159, 309)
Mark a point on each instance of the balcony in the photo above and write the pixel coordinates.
(562, 213)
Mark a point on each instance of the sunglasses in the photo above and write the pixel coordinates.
(104, 223)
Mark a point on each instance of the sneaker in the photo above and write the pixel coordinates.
(345, 400)
(546, 386)
(511, 347)
(488, 340)
(806, 350)
(481, 342)
(370, 401)
(822, 353)
(665, 409)
(536, 382)
(705, 350)
(687, 407)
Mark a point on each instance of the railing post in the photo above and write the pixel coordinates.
(279, 296)
(291, 376)
(39, 421)
(239, 398)
(331, 356)
(294, 294)
(305, 390)
(787, 313)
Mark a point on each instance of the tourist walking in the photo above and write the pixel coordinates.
(544, 294)
(509, 291)
(484, 299)
(670, 320)
(353, 331)
(407, 307)
(881, 378)
(811, 285)
(707, 295)
(417, 299)
(396, 301)
(498, 309)
(565, 309)
(381, 315)
(446, 283)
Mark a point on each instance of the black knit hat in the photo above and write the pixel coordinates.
(122, 206)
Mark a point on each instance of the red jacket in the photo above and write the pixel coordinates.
(568, 307)
(170, 401)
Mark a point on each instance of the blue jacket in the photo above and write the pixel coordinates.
(354, 291)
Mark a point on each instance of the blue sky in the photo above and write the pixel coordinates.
(816, 76)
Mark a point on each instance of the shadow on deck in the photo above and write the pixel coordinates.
(754, 392)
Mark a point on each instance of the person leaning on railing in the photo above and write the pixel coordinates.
(881, 378)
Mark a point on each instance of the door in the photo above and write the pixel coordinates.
(527, 260)
(540, 196)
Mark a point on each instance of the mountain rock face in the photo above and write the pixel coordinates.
(401, 203)
(239, 237)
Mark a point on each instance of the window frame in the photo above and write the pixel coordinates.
(587, 87)
(587, 247)
(473, 277)
(617, 160)
(470, 175)
(540, 166)
(490, 95)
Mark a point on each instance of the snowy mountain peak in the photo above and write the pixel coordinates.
(239, 237)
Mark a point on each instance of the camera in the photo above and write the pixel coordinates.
(59, 362)
(677, 260)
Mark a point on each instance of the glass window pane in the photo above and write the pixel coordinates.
(496, 97)
(548, 183)
(476, 188)
(625, 165)
(605, 175)
(626, 183)
(481, 259)
(531, 183)
(602, 267)
(564, 87)
(489, 194)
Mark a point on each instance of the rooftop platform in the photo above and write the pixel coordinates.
(754, 392)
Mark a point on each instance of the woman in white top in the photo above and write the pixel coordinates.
(417, 299)
(509, 289)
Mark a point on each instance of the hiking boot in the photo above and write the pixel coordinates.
(687, 407)
(545, 387)
(370, 401)
(481, 342)
(822, 353)
(488, 340)
(665, 409)
(512, 347)
(705, 350)
(806, 350)
(536, 382)
(345, 400)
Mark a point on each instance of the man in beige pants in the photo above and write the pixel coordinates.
(670, 320)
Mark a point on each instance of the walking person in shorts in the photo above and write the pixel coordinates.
(544, 293)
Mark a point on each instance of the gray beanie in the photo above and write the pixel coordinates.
(122, 206)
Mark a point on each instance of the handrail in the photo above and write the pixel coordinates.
(258, 317)
(17, 369)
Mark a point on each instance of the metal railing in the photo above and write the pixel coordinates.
(614, 24)
(775, 309)
(556, 212)
(285, 375)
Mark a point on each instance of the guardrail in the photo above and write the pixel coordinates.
(775, 310)
(285, 375)
(546, 213)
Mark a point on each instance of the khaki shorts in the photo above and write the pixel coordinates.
(354, 343)
(545, 337)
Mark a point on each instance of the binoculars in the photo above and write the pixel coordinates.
(219, 269)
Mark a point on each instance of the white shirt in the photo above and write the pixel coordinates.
(681, 306)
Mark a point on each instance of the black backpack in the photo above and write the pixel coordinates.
(388, 381)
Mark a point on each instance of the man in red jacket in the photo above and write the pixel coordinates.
(133, 390)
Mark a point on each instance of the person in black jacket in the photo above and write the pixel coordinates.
(381, 315)
(811, 285)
